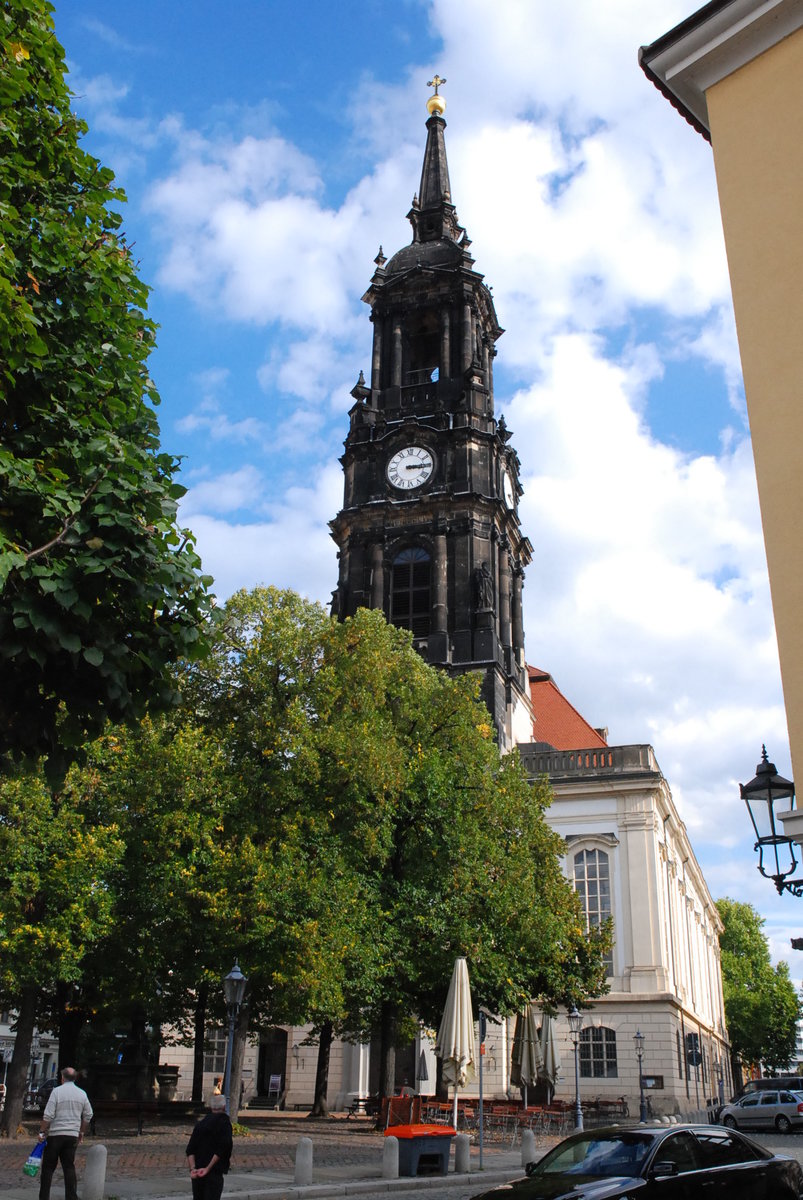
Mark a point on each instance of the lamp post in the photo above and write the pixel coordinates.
(575, 1022)
(638, 1038)
(233, 993)
(760, 796)
(33, 1065)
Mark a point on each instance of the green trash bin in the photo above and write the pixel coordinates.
(423, 1149)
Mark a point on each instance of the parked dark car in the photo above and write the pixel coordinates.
(42, 1093)
(676, 1162)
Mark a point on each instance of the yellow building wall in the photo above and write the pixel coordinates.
(756, 122)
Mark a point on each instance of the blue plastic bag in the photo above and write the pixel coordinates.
(34, 1160)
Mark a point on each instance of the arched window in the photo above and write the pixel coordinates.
(409, 591)
(598, 1053)
(592, 882)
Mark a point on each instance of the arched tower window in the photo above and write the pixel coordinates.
(409, 591)
(592, 882)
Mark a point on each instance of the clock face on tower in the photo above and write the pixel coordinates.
(410, 468)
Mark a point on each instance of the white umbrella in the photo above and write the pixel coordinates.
(549, 1052)
(455, 1044)
(526, 1061)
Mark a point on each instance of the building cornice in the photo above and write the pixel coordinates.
(714, 42)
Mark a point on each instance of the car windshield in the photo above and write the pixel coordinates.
(621, 1153)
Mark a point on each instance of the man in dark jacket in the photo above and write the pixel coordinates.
(209, 1151)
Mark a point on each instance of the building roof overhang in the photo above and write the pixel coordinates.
(712, 43)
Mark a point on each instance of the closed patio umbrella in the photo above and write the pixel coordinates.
(455, 1044)
(527, 1061)
(550, 1053)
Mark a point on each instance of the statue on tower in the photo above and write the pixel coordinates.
(483, 588)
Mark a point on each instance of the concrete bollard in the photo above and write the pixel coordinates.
(303, 1175)
(390, 1158)
(527, 1147)
(94, 1173)
(462, 1154)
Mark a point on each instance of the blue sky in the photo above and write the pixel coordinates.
(268, 148)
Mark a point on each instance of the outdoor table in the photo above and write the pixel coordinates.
(426, 1146)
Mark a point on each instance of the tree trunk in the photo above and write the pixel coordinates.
(17, 1077)
(71, 1022)
(387, 1054)
(320, 1107)
(736, 1073)
(238, 1053)
(441, 1089)
(198, 1046)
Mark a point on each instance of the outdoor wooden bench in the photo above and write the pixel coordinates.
(367, 1106)
(138, 1109)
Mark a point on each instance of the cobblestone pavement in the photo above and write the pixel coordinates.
(155, 1164)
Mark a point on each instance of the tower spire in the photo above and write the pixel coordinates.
(433, 217)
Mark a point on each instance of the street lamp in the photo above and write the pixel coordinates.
(233, 993)
(575, 1021)
(760, 795)
(638, 1038)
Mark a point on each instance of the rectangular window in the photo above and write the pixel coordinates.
(593, 886)
(215, 1051)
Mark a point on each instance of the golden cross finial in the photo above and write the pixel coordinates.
(436, 82)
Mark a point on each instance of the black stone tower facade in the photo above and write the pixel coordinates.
(429, 529)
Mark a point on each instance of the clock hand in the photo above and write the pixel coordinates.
(414, 466)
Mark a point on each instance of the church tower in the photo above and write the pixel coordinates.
(429, 530)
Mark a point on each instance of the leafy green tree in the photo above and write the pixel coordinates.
(376, 832)
(762, 1007)
(99, 590)
(55, 853)
(163, 783)
(449, 840)
(288, 900)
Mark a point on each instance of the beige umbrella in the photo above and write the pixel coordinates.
(526, 1061)
(549, 1052)
(455, 1044)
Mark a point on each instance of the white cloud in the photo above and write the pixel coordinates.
(209, 417)
(228, 492)
(290, 548)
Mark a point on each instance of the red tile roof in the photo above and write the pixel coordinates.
(557, 722)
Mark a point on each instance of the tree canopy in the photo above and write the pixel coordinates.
(762, 1007)
(419, 840)
(326, 808)
(56, 856)
(99, 590)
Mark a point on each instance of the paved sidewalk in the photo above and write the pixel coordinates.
(347, 1161)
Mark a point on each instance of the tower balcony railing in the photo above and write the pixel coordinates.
(413, 395)
(599, 760)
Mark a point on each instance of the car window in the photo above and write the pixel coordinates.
(788, 1098)
(680, 1149)
(593, 1154)
(721, 1149)
(749, 1101)
(769, 1098)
